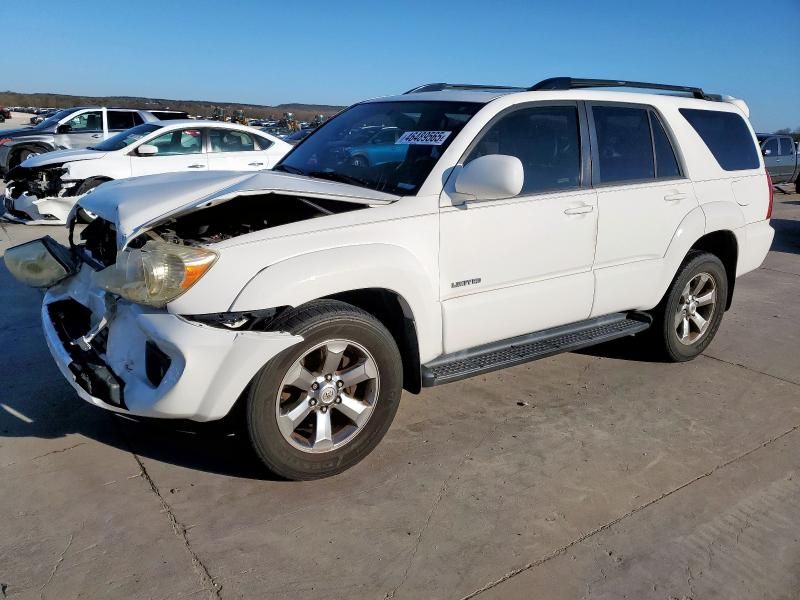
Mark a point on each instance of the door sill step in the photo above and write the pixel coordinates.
(532, 346)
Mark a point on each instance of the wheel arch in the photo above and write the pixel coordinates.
(724, 245)
(394, 312)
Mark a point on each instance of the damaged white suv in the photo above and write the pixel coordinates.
(491, 226)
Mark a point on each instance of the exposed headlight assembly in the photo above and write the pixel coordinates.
(40, 263)
(156, 273)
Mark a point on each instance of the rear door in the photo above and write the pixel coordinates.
(235, 150)
(642, 198)
(178, 150)
(770, 148)
(787, 157)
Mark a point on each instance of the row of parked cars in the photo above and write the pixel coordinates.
(410, 241)
(47, 168)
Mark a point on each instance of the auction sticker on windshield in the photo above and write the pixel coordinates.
(423, 138)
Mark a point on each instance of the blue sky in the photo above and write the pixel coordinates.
(340, 52)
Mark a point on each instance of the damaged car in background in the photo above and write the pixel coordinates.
(304, 299)
(44, 188)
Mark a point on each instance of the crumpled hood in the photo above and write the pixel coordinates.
(133, 204)
(62, 156)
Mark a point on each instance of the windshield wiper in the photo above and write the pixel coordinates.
(289, 169)
(340, 177)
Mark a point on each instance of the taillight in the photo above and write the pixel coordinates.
(769, 208)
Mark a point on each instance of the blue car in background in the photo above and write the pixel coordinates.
(376, 146)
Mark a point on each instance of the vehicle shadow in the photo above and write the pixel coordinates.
(36, 402)
(787, 235)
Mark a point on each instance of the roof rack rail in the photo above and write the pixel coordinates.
(570, 83)
(438, 87)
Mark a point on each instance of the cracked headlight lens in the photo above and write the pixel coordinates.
(156, 273)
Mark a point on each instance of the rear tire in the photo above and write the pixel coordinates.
(304, 432)
(691, 312)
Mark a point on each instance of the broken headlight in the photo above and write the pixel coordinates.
(40, 263)
(156, 273)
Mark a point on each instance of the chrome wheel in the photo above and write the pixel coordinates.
(696, 308)
(327, 396)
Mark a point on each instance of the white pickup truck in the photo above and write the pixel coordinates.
(493, 226)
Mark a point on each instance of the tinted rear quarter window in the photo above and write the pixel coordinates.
(727, 137)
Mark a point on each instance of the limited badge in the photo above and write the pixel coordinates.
(423, 138)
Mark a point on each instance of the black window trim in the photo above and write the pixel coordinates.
(583, 133)
(652, 111)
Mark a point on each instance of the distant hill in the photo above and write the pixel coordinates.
(302, 112)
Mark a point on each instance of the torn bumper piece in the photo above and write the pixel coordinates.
(146, 361)
(30, 210)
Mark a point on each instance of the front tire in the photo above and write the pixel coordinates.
(321, 406)
(691, 312)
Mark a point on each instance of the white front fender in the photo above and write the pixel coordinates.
(303, 278)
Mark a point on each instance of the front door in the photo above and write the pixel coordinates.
(523, 264)
(178, 150)
(82, 130)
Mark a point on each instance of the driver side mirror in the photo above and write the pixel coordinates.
(147, 150)
(491, 177)
(766, 151)
(64, 128)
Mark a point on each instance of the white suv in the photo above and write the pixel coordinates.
(501, 226)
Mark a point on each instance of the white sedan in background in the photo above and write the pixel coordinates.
(44, 188)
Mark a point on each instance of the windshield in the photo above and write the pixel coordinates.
(126, 138)
(385, 146)
(55, 118)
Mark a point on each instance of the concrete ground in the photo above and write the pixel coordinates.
(596, 474)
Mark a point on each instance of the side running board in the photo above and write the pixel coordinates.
(532, 346)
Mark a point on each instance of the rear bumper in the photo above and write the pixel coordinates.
(149, 362)
(755, 240)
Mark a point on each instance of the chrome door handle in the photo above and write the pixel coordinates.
(196, 166)
(255, 164)
(579, 210)
(676, 197)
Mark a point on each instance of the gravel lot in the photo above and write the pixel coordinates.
(588, 474)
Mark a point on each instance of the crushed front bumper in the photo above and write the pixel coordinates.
(147, 361)
(30, 210)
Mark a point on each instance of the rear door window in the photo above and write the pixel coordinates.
(727, 137)
(230, 140)
(624, 144)
(787, 146)
(120, 120)
(546, 139)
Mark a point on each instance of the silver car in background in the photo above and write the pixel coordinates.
(78, 127)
